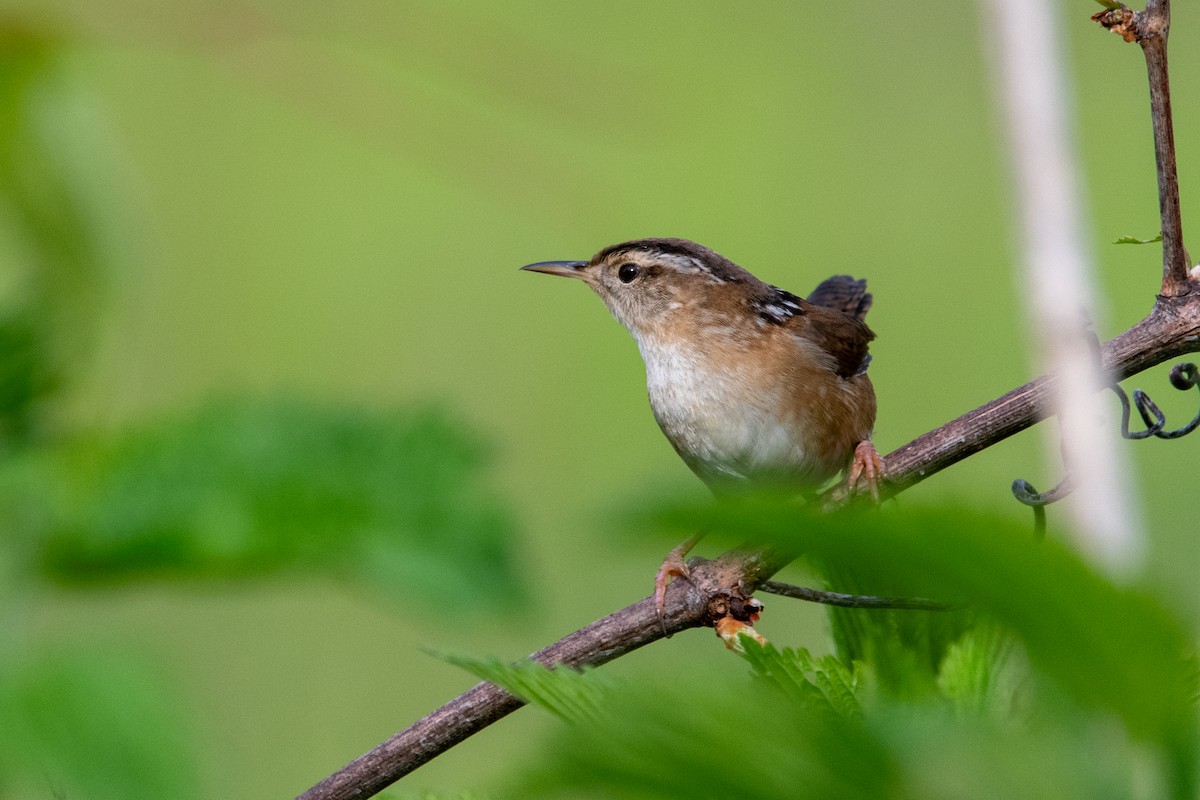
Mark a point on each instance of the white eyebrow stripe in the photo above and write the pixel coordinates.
(688, 265)
(682, 263)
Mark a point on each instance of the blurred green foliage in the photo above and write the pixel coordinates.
(1056, 682)
(1119, 648)
(51, 232)
(87, 722)
(251, 489)
(237, 490)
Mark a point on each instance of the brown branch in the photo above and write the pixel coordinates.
(1170, 330)
(851, 600)
(1149, 29)
(1154, 24)
(689, 605)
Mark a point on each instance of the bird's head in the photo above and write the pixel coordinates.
(646, 282)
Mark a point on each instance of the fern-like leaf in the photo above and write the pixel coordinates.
(570, 694)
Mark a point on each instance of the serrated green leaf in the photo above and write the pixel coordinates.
(932, 699)
(1135, 240)
(675, 740)
(805, 680)
(978, 673)
(839, 684)
(1110, 647)
(249, 489)
(679, 738)
(573, 695)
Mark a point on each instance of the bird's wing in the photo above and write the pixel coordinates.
(842, 336)
(831, 318)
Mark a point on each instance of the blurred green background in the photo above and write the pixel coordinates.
(328, 203)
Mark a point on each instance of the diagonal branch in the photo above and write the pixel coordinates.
(1170, 330)
(622, 632)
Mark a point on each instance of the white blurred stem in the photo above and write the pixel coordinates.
(1031, 77)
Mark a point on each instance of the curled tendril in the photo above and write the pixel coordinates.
(1183, 377)
(1025, 493)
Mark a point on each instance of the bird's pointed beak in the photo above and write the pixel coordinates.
(567, 269)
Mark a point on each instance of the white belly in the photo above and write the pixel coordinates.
(720, 428)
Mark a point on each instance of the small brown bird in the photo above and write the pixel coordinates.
(749, 382)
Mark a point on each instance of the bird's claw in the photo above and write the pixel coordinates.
(866, 469)
(673, 566)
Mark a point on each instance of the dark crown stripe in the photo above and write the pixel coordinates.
(716, 264)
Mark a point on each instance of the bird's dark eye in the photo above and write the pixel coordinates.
(627, 272)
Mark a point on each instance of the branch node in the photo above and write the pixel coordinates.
(731, 604)
(1120, 20)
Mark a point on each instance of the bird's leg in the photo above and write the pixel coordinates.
(673, 566)
(866, 469)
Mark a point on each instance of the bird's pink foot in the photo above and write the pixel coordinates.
(866, 470)
(673, 566)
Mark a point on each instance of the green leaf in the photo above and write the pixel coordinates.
(687, 735)
(807, 681)
(573, 695)
(1135, 240)
(251, 489)
(686, 738)
(981, 672)
(1022, 686)
(1110, 647)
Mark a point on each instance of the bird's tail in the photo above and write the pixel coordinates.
(845, 294)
